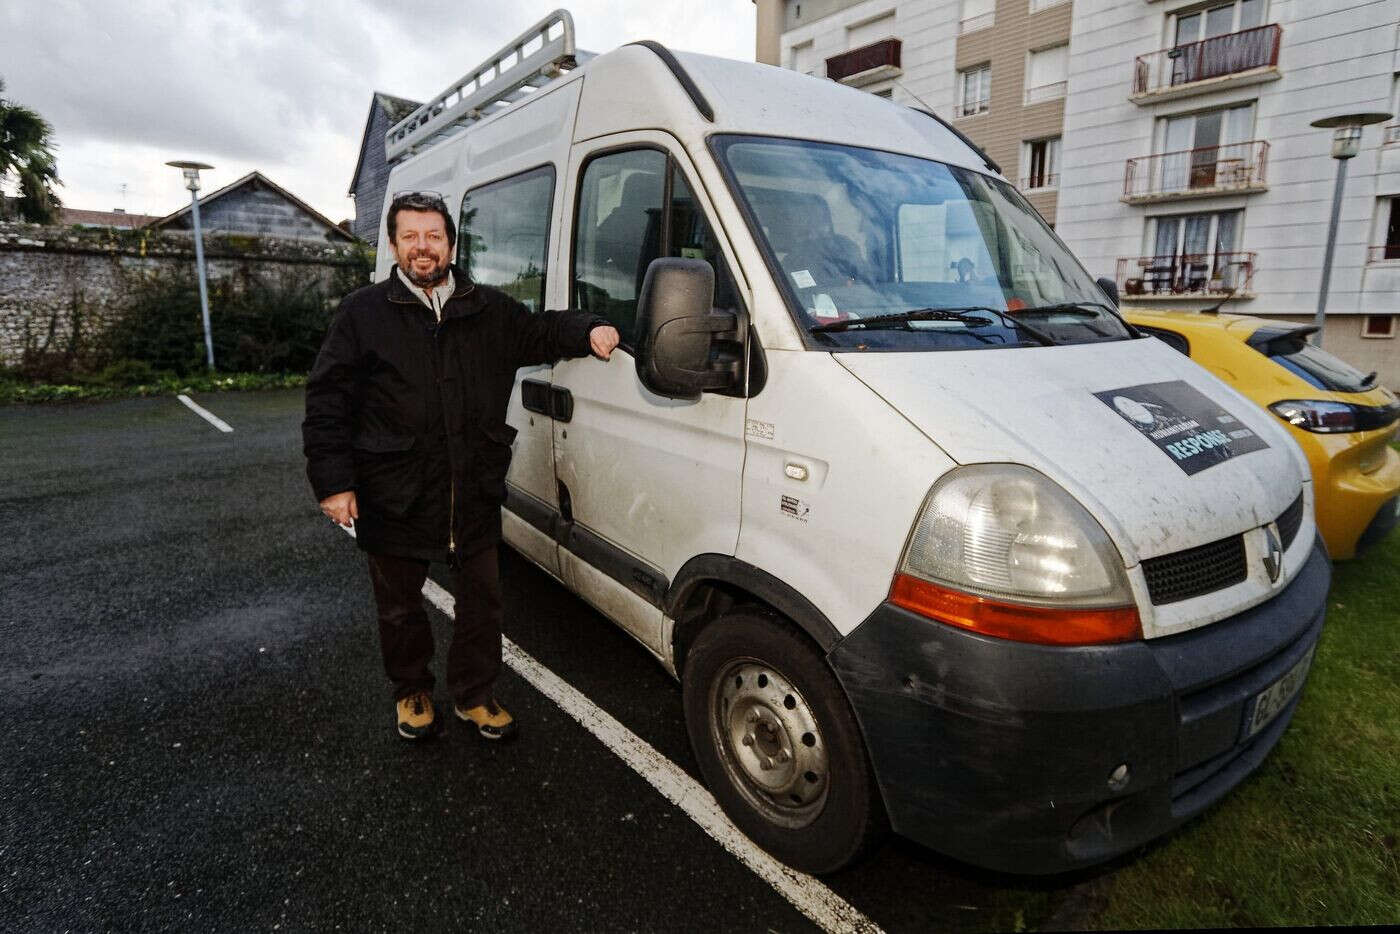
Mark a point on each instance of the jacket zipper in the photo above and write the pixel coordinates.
(451, 476)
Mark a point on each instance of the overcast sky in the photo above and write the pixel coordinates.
(282, 86)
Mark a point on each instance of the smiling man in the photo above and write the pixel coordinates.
(406, 439)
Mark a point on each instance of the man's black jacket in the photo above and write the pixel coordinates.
(411, 414)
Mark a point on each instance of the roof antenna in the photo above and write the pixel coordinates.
(1215, 309)
(981, 153)
(913, 95)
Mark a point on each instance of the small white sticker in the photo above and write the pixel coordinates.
(761, 430)
(794, 507)
(804, 279)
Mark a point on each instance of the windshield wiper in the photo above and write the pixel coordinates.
(967, 316)
(1083, 310)
(1077, 309)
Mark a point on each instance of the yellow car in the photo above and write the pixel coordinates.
(1342, 418)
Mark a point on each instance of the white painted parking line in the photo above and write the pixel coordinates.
(205, 414)
(808, 895)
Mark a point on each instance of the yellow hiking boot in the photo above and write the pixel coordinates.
(416, 717)
(490, 720)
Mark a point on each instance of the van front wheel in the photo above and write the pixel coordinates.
(778, 744)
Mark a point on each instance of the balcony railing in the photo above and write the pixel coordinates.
(1386, 251)
(1193, 172)
(1039, 182)
(882, 54)
(974, 23)
(1200, 275)
(1216, 57)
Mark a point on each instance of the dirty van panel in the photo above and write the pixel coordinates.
(627, 452)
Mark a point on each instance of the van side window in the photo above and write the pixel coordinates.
(621, 227)
(503, 239)
(693, 238)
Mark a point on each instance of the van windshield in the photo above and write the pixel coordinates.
(879, 251)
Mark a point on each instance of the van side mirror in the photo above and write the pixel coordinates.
(1109, 288)
(684, 346)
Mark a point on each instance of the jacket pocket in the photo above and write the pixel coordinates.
(493, 460)
(388, 475)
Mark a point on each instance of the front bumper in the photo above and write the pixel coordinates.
(1000, 753)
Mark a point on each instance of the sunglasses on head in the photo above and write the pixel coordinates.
(434, 197)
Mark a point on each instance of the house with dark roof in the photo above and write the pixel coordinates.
(117, 219)
(371, 171)
(257, 205)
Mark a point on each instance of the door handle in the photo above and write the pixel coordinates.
(561, 404)
(554, 401)
(535, 396)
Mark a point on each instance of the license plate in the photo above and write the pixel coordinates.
(1270, 702)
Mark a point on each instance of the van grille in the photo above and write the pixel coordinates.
(1195, 571)
(1289, 521)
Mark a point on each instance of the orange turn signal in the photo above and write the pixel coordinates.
(1016, 621)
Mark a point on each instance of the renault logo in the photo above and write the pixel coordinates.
(1273, 552)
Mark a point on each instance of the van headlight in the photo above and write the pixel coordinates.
(1002, 550)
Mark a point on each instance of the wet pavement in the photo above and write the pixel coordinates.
(197, 734)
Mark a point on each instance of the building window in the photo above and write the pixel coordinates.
(1389, 224)
(1220, 19)
(977, 14)
(975, 90)
(1207, 149)
(1378, 326)
(803, 59)
(1041, 158)
(1194, 253)
(872, 30)
(1046, 74)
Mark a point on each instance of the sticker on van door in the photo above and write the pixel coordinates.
(1184, 423)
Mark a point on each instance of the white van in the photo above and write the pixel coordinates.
(931, 538)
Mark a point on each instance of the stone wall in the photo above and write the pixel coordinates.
(61, 286)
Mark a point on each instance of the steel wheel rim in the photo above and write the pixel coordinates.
(769, 742)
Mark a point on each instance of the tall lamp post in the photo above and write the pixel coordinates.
(1346, 143)
(191, 172)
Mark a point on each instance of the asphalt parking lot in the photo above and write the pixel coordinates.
(198, 734)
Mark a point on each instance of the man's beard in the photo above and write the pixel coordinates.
(433, 278)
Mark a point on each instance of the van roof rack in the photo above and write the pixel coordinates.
(515, 72)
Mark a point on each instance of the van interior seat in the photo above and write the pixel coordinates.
(800, 227)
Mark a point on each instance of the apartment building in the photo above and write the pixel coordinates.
(1195, 175)
(996, 68)
(1168, 141)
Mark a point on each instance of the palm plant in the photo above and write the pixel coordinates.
(26, 152)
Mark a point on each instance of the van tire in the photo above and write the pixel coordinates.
(762, 706)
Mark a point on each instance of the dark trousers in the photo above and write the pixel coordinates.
(406, 638)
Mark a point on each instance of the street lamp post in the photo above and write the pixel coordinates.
(1346, 143)
(191, 173)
